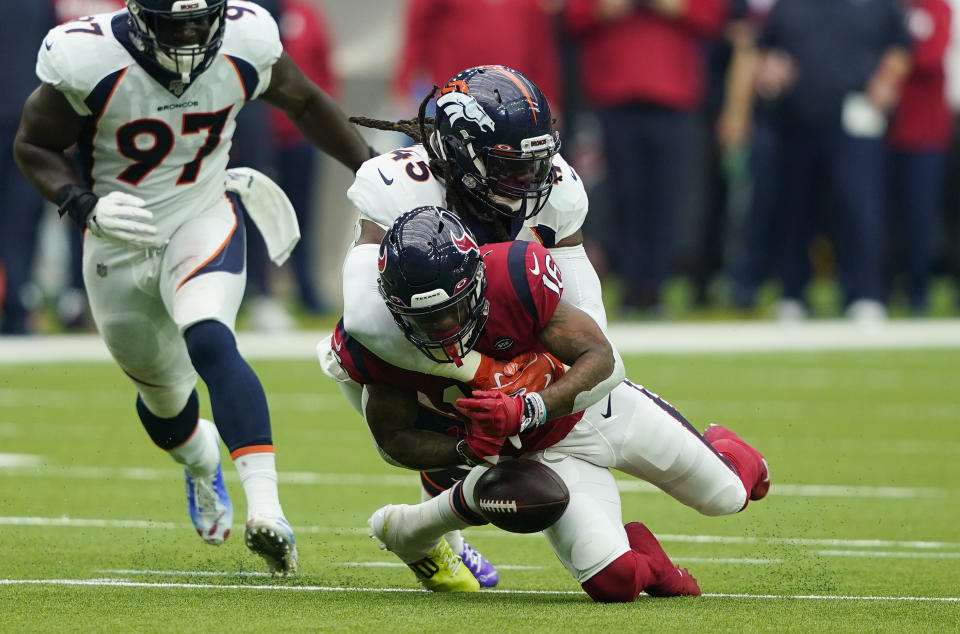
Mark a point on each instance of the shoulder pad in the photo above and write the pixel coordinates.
(392, 184)
(566, 209)
(75, 56)
(252, 35)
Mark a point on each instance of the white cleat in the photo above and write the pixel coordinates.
(209, 503)
(272, 539)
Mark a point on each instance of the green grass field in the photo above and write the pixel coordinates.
(859, 533)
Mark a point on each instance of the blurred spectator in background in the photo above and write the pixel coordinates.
(919, 136)
(267, 141)
(642, 68)
(20, 205)
(747, 121)
(442, 37)
(253, 146)
(726, 114)
(72, 306)
(948, 249)
(303, 31)
(21, 208)
(836, 67)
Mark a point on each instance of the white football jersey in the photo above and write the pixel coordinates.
(392, 184)
(146, 133)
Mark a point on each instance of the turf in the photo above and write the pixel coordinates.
(862, 447)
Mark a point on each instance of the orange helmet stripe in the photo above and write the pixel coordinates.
(522, 88)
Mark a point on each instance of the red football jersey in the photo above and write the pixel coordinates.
(523, 288)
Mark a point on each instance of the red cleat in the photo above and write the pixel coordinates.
(762, 485)
(671, 581)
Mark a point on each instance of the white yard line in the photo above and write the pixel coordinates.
(212, 586)
(487, 532)
(882, 554)
(399, 564)
(670, 338)
(27, 466)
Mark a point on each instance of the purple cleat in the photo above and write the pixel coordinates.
(482, 569)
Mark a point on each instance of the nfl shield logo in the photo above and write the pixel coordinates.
(101, 269)
(176, 87)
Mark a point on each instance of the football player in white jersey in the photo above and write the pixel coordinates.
(492, 156)
(149, 96)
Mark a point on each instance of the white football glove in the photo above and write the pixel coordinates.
(119, 216)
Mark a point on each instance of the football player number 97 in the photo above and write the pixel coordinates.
(149, 157)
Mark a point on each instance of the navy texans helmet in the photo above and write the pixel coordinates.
(152, 21)
(432, 279)
(495, 130)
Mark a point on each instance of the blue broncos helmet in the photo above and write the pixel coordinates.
(495, 130)
(432, 279)
(151, 20)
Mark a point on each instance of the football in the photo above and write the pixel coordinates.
(521, 496)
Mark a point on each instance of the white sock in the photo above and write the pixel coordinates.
(454, 538)
(435, 516)
(200, 453)
(258, 475)
(420, 527)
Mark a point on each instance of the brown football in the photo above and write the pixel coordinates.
(521, 496)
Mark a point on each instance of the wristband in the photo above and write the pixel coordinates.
(77, 202)
(462, 447)
(534, 411)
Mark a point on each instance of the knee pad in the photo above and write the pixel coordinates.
(170, 430)
(166, 401)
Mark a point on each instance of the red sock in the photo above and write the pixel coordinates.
(744, 461)
(622, 580)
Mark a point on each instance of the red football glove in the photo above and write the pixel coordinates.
(485, 447)
(492, 413)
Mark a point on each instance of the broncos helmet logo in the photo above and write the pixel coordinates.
(458, 105)
(465, 243)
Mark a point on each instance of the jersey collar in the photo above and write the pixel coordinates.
(169, 80)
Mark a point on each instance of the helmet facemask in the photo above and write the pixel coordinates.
(513, 183)
(152, 29)
(431, 276)
(444, 328)
(518, 183)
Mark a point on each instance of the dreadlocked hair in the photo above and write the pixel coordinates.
(421, 129)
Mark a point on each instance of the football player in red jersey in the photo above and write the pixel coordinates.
(449, 296)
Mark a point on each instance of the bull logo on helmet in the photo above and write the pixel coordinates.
(382, 258)
(458, 105)
(465, 243)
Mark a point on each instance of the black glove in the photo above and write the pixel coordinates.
(77, 202)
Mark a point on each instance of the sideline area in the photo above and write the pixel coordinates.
(644, 338)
